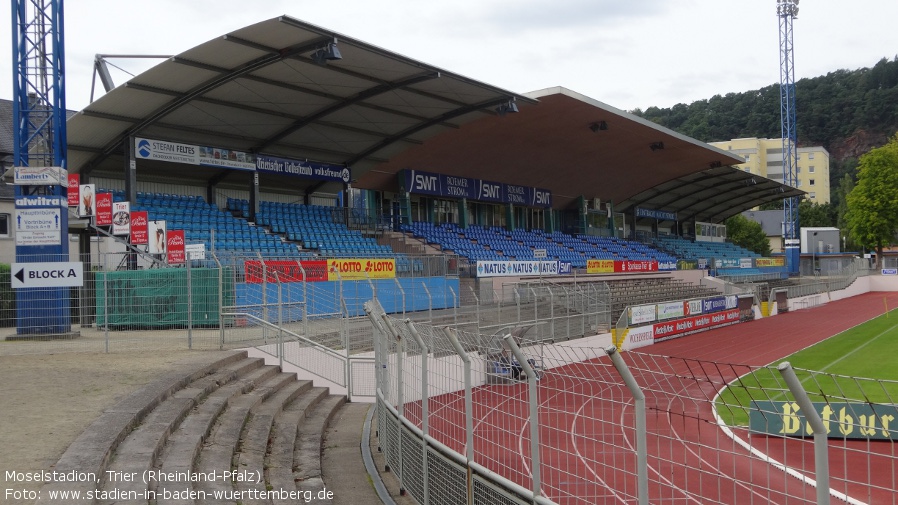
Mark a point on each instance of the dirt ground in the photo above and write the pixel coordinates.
(46, 401)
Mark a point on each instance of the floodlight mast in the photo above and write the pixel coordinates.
(787, 12)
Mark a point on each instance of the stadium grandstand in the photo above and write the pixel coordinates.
(343, 209)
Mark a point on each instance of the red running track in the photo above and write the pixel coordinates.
(586, 420)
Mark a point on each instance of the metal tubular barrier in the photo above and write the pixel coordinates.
(642, 472)
(821, 442)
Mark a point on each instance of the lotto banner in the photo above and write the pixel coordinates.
(273, 271)
(600, 266)
(354, 269)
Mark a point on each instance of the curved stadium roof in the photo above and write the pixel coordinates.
(258, 89)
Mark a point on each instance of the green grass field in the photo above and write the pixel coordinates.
(859, 364)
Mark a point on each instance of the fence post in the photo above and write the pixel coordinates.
(425, 400)
(821, 446)
(533, 401)
(189, 306)
(402, 292)
(221, 326)
(280, 343)
(454, 306)
(642, 472)
(551, 313)
(476, 306)
(429, 303)
(469, 410)
(400, 408)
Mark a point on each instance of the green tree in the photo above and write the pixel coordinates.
(872, 215)
(748, 234)
(812, 214)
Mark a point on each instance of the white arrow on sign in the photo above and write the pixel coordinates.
(47, 275)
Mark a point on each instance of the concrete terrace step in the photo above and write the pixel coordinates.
(184, 445)
(140, 451)
(91, 452)
(283, 439)
(307, 450)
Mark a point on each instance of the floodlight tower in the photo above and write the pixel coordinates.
(787, 11)
(39, 162)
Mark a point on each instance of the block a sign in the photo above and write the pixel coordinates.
(47, 275)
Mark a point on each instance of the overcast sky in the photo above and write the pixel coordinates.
(628, 54)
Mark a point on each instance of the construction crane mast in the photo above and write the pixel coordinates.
(39, 162)
(787, 12)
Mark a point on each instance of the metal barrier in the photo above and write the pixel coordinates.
(472, 418)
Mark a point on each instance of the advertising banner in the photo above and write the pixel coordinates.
(121, 218)
(156, 237)
(638, 337)
(516, 268)
(174, 247)
(670, 310)
(354, 269)
(635, 266)
(104, 209)
(256, 271)
(714, 304)
(693, 307)
(727, 263)
(661, 215)
(86, 200)
(140, 233)
(73, 189)
(429, 183)
(865, 421)
(39, 176)
(770, 262)
(599, 266)
(694, 323)
(687, 264)
(642, 314)
(305, 169)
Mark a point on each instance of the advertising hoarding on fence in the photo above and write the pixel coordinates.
(770, 262)
(517, 268)
(692, 324)
(256, 271)
(638, 337)
(670, 310)
(621, 266)
(642, 314)
(355, 269)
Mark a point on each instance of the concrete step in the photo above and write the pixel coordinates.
(283, 440)
(180, 454)
(140, 451)
(92, 451)
(307, 450)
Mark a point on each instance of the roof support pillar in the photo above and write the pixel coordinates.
(130, 171)
(254, 197)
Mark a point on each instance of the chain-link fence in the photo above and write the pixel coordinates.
(467, 416)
